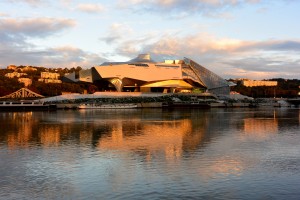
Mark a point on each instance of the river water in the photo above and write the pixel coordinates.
(151, 154)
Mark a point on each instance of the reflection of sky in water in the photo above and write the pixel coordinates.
(150, 153)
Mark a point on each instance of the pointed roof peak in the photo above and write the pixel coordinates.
(142, 58)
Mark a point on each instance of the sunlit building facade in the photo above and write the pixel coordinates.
(145, 75)
(26, 81)
(15, 74)
(48, 77)
(253, 83)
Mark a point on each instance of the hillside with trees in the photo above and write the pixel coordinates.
(286, 88)
(10, 85)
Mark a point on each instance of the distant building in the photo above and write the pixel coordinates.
(15, 74)
(253, 83)
(12, 67)
(52, 81)
(48, 77)
(146, 75)
(26, 81)
(28, 68)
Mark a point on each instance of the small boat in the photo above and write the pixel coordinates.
(108, 106)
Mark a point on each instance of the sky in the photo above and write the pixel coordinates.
(254, 39)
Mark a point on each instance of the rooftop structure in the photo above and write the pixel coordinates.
(142, 74)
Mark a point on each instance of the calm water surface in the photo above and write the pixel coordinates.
(150, 154)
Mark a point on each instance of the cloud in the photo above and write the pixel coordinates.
(116, 33)
(227, 57)
(65, 56)
(208, 44)
(16, 33)
(30, 2)
(72, 56)
(259, 68)
(202, 43)
(90, 8)
(183, 6)
(34, 27)
(16, 48)
(3, 14)
(269, 45)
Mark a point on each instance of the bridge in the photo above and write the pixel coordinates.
(22, 93)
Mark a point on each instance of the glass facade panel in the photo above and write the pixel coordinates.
(214, 83)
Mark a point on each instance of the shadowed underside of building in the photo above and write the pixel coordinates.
(145, 75)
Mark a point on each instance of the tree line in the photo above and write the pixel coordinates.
(286, 88)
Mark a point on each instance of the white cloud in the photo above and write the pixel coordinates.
(117, 32)
(34, 27)
(71, 56)
(15, 46)
(15, 33)
(64, 56)
(30, 2)
(90, 8)
(3, 14)
(191, 6)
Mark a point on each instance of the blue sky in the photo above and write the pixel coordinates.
(256, 39)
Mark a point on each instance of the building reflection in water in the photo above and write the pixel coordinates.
(147, 137)
(19, 128)
(261, 127)
(49, 135)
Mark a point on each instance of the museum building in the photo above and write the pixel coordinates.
(142, 74)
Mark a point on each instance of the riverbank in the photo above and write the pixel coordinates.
(144, 100)
(195, 105)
